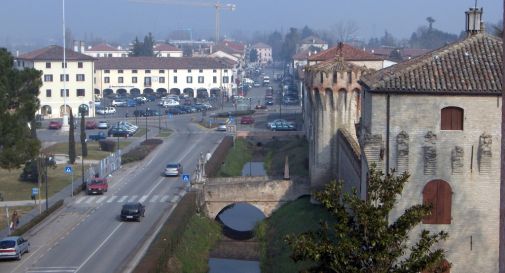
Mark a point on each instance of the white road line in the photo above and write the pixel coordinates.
(101, 199)
(164, 198)
(90, 199)
(80, 199)
(112, 198)
(143, 198)
(51, 269)
(122, 199)
(132, 198)
(154, 199)
(175, 199)
(98, 248)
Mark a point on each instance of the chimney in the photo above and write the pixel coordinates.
(82, 46)
(473, 21)
(76, 46)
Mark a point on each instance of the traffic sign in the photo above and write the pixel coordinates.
(68, 169)
(185, 178)
(35, 191)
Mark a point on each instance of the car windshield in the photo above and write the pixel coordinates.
(172, 166)
(96, 182)
(7, 244)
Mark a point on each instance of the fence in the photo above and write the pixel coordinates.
(214, 163)
(104, 167)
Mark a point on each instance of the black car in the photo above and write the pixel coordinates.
(139, 113)
(132, 211)
(152, 113)
(174, 111)
(118, 132)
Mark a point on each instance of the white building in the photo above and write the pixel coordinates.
(193, 76)
(78, 80)
(166, 50)
(106, 51)
(264, 53)
(312, 43)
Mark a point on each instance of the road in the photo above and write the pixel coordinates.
(87, 236)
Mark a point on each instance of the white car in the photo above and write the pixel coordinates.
(102, 125)
(13, 247)
(119, 102)
(105, 110)
(169, 103)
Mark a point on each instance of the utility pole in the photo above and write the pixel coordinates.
(501, 244)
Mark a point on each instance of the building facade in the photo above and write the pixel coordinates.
(106, 51)
(264, 53)
(77, 80)
(197, 77)
(438, 118)
(166, 50)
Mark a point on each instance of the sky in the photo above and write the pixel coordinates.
(40, 21)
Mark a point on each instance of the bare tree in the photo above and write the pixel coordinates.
(344, 31)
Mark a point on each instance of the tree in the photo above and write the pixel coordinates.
(19, 90)
(143, 48)
(430, 22)
(290, 43)
(306, 32)
(362, 239)
(84, 145)
(275, 41)
(344, 31)
(71, 140)
(253, 55)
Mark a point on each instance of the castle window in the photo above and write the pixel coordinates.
(321, 76)
(451, 118)
(438, 193)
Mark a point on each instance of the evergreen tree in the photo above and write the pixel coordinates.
(253, 55)
(275, 41)
(136, 48)
(71, 140)
(290, 43)
(19, 90)
(362, 239)
(148, 45)
(306, 32)
(84, 145)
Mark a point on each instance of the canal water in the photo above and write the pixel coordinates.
(239, 221)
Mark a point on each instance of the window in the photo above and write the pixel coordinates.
(349, 76)
(134, 71)
(226, 71)
(214, 79)
(80, 92)
(321, 79)
(214, 71)
(120, 71)
(225, 79)
(62, 93)
(106, 80)
(106, 71)
(134, 79)
(438, 193)
(79, 77)
(452, 118)
(79, 65)
(201, 70)
(48, 65)
(64, 77)
(189, 70)
(161, 79)
(175, 79)
(48, 78)
(148, 71)
(200, 79)
(48, 93)
(162, 71)
(147, 81)
(189, 79)
(64, 65)
(175, 70)
(335, 77)
(120, 80)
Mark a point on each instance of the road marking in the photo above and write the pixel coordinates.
(175, 199)
(101, 199)
(80, 199)
(90, 199)
(164, 198)
(51, 269)
(122, 199)
(154, 199)
(98, 248)
(143, 198)
(132, 198)
(111, 199)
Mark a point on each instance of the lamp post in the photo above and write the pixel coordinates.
(146, 126)
(64, 126)
(117, 136)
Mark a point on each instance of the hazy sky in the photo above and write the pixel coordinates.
(40, 20)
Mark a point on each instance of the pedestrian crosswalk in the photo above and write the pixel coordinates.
(99, 199)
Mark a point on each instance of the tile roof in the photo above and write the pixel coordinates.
(54, 53)
(234, 45)
(261, 45)
(336, 64)
(104, 47)
(406, 53)
(226, 49)
(348, 52)
(301, 55)
(470, 66)
(161, 63)
(166, 47)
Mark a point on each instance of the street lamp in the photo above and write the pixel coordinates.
(146, 125)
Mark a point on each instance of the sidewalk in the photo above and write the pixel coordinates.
(21, 203)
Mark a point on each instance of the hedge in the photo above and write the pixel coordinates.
(37, 219)
(140, 152)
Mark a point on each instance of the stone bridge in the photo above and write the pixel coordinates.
(265, 193)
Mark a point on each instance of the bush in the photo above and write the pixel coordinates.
(140, 152)
(152, 141)
(37, 219)
(107, 145)
(234, 113)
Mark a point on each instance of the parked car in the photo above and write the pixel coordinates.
(116, 131)
(173, 169)
(221, 127)
(13, 247)
(139, 113)
(174, 111)
(105, 110)
(102, 125)
(119, 103)
(260, 106)
(97, 186)
(91, 124)
(152, 113)
(168, 103)
(132, 211)
(271, 123)
(246, 120)
(151, 97)
(54, 125)
(98, 136)
(283, 126)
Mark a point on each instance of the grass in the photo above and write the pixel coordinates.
(293, 218)
(297, 150)
(200, 236)
(21, 211)
(239, 154)
(140, 132)
(164, 132)
(94, 152)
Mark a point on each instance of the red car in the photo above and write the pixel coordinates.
(246, 120)
(90, 124)
(97, 186)
(261, 106)
(54, 125)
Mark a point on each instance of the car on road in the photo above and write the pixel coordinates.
(283, 126)
(271, 123)
(173, 169)
(256, 84)
(132, 211)
(105, 110)
(260, 106)
(98, 136)
(97, 186)
(102, 125)
(90, 124)
(246, 120)
(221, 127)
(13, 247)
(54, 125)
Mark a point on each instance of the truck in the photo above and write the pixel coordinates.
(99, 136)
(97, 186)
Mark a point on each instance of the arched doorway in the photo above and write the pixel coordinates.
(135, 92)
(215, 92)
(122, 92)
(162, 92)
(84, 108)
(62, 110)
(202, 93)
(438, 194)
(97, 91)
(46, 110)
(175, 91)
(189, 92)
(108, 92)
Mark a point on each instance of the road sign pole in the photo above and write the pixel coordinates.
(72, 193)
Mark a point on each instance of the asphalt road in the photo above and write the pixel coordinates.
(87, 236)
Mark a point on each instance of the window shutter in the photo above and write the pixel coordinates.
(444, 197)
(446, 119)
(457, 119)
(430, 197)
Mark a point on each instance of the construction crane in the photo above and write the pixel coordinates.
(217, 5)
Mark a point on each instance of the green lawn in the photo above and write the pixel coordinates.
(239, 154)
(297, 150)
(140, 132)
(293, 218)
(94, 152)
(20, 210)
(164, 133)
